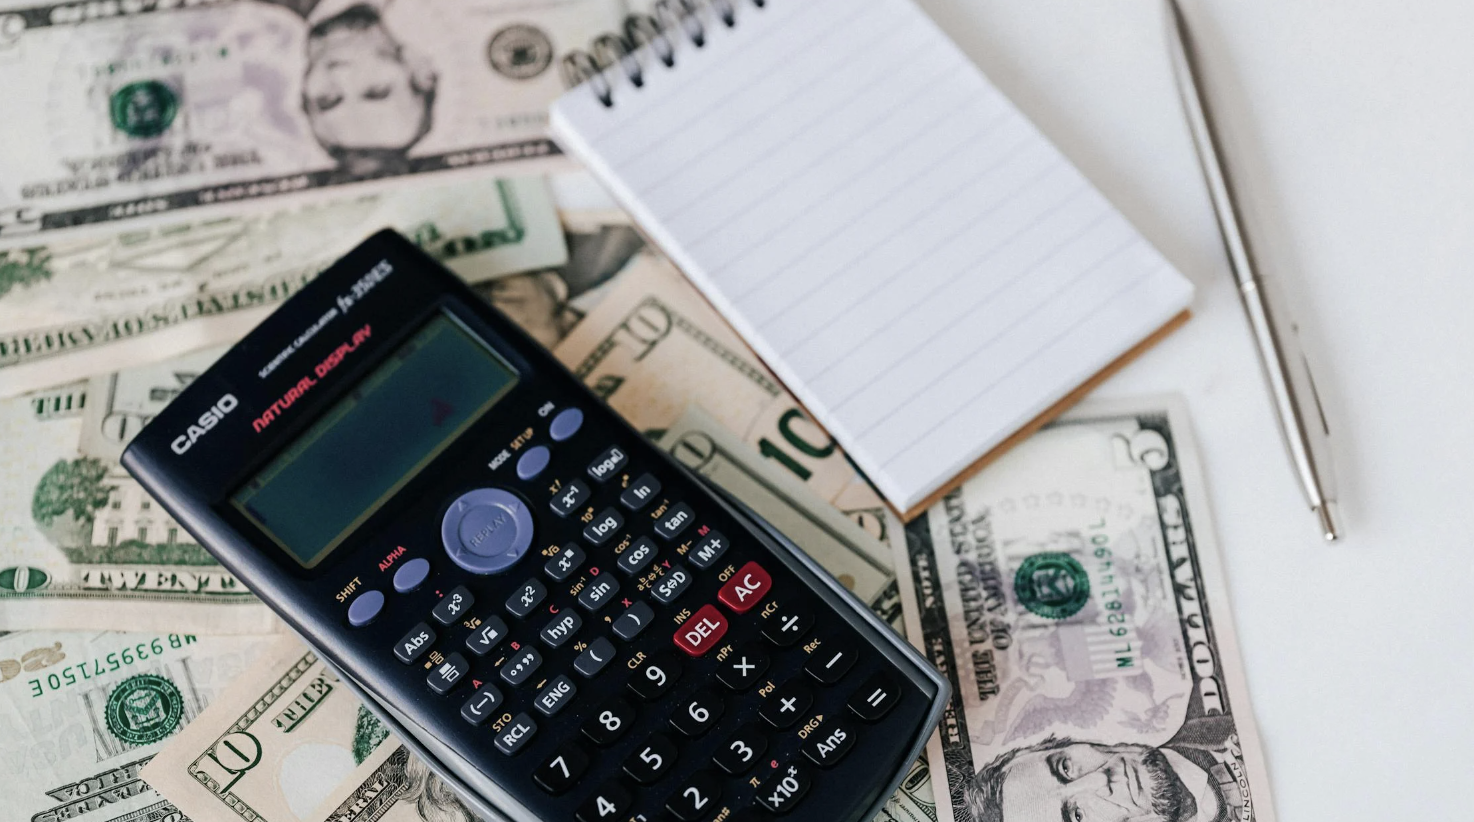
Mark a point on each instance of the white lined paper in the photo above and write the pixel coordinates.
(920, 266)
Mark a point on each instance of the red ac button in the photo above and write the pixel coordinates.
(702, 631)
(746, 588)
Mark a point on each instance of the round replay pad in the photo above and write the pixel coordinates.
(487, 530)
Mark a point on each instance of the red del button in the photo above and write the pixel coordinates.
(704, 629)
(746, 587)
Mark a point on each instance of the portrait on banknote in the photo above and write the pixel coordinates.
(136, 111)
(547, 304)
(1072, 594)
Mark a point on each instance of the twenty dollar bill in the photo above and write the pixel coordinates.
(118, 113)
(1073, 595)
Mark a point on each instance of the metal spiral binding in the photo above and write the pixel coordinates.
(654, 29)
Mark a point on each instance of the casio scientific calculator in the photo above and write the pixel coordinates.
(558, 617)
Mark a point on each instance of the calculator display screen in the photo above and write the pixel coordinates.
(374, 440)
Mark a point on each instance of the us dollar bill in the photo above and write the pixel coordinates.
(289, 743)
(76, 307)
(1072, 593)
(859, 561)
(548, 303)
(82, 713)
(121, 113)
(84, 546)
(653, 346)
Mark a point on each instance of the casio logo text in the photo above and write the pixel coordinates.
(207, 420)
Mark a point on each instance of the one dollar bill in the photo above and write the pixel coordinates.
(1073, 595)
(82, 713)
(119, 113)
(82, 306)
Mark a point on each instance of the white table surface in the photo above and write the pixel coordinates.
(1350, 129)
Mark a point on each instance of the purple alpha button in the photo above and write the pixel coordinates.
(487, 530)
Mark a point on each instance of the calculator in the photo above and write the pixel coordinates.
(560, 619)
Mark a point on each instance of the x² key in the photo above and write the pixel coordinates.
(702, 631)
(746, 587)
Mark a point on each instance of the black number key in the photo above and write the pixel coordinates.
(657, 676)
(414, 644)
(598, 592)
(607, 464)
(570, 497)
(633, 620)
(875, 698)
(652, 760)
(743, 668)
(487, 635)
(697, 714)
(481, 705)
(708, 549)
(453, 605)
(696, 798)
(637, 556)
(608, 803)
(787, 704)
(521, 666)
(447, 674)
(603, 526)
(829, 745)
(562, 565)
(611, 721)
(742, 750)
(528, 596)
(640, 492)
(675, 520)
(781, 791)
(787, 627)
(594, 658)
(562, 769)
(831, 661)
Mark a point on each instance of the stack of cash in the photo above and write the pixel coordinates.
(174, 171)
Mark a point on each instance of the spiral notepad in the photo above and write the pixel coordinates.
(921, 267)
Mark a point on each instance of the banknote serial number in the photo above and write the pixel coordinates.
(102, 665)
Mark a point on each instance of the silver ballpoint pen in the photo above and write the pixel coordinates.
(1302, 421)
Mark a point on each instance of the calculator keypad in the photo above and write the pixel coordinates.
(646, 660)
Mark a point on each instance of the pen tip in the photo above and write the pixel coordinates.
(1328, 525)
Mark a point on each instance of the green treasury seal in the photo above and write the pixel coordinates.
(1052, 585)
(144, 709)
(144, 109)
